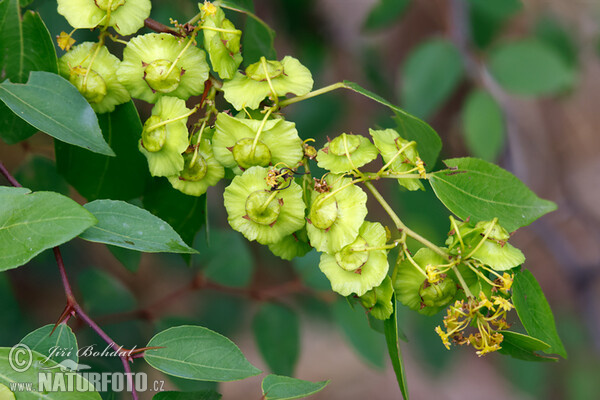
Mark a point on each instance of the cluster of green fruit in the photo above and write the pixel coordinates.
(272, 197)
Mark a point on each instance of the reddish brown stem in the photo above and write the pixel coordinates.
(159, 27)
(72, 305)
(8, 176)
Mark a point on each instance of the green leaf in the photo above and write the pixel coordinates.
(410, 127)
(257, 41)
(277, 387)
(33, 222)
(550, 31)
(483, 125)
(51, 104)
(530, 67)
(385, 13)
(186, 214)
(277, 333)
(430, 75)
(475, 189)
(364, 340)
(130, 259)
(307, 267)
(194, 352)
(523, 347)
(391, 339)
(227, 259)
(487, 17)
(119, 178)
(25, 45)
(258, 36)
(125, 225)
(203, 395)
(52, 375)
(13, 323)
(535, 313)
(46, 343)
(524, 341)
(39, 174)
(103, 293)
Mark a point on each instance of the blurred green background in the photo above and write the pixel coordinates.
(517, 83)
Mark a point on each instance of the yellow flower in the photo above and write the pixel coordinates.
(209, 8)
(505, 282)
(65, 41)
(432, 272)
(484, 302)
(502, 303)
(444, 337)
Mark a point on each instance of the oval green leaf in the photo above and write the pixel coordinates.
(39, 174)
(202, 395)
(33, 222)
(25, 45)
(194, 352)
(125, 225)
(231, 267)
(410, 127)
(276, 387)
(123, 177)
(277, 333)
(52, 375)
(531, 67)
(391, 339)
(475, 189)
(430, 75)
(535, 312)
(385, 13)
(103, 293)
(186, 218)
(523, 347)
(487, 18)
(51, 104)
(354, 324)
(483, 125)
(59, 345)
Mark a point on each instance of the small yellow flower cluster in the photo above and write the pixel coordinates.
(487, 315)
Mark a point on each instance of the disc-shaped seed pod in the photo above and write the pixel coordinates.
(409, 280)
(222, 45)
(494, 251)
(261, 212)
(98, 83)
(158, 64)
(126, 16)
(235, 142)
(200, 171)
(378, 301)
(389, 143)
(261, 78)
(291, 246)
(164, 140)
(356, 268)
(346, 152)
(438, 294)
(336, 215)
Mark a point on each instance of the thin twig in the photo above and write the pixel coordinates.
(73, 305)
(160, 27)
(8, 176)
